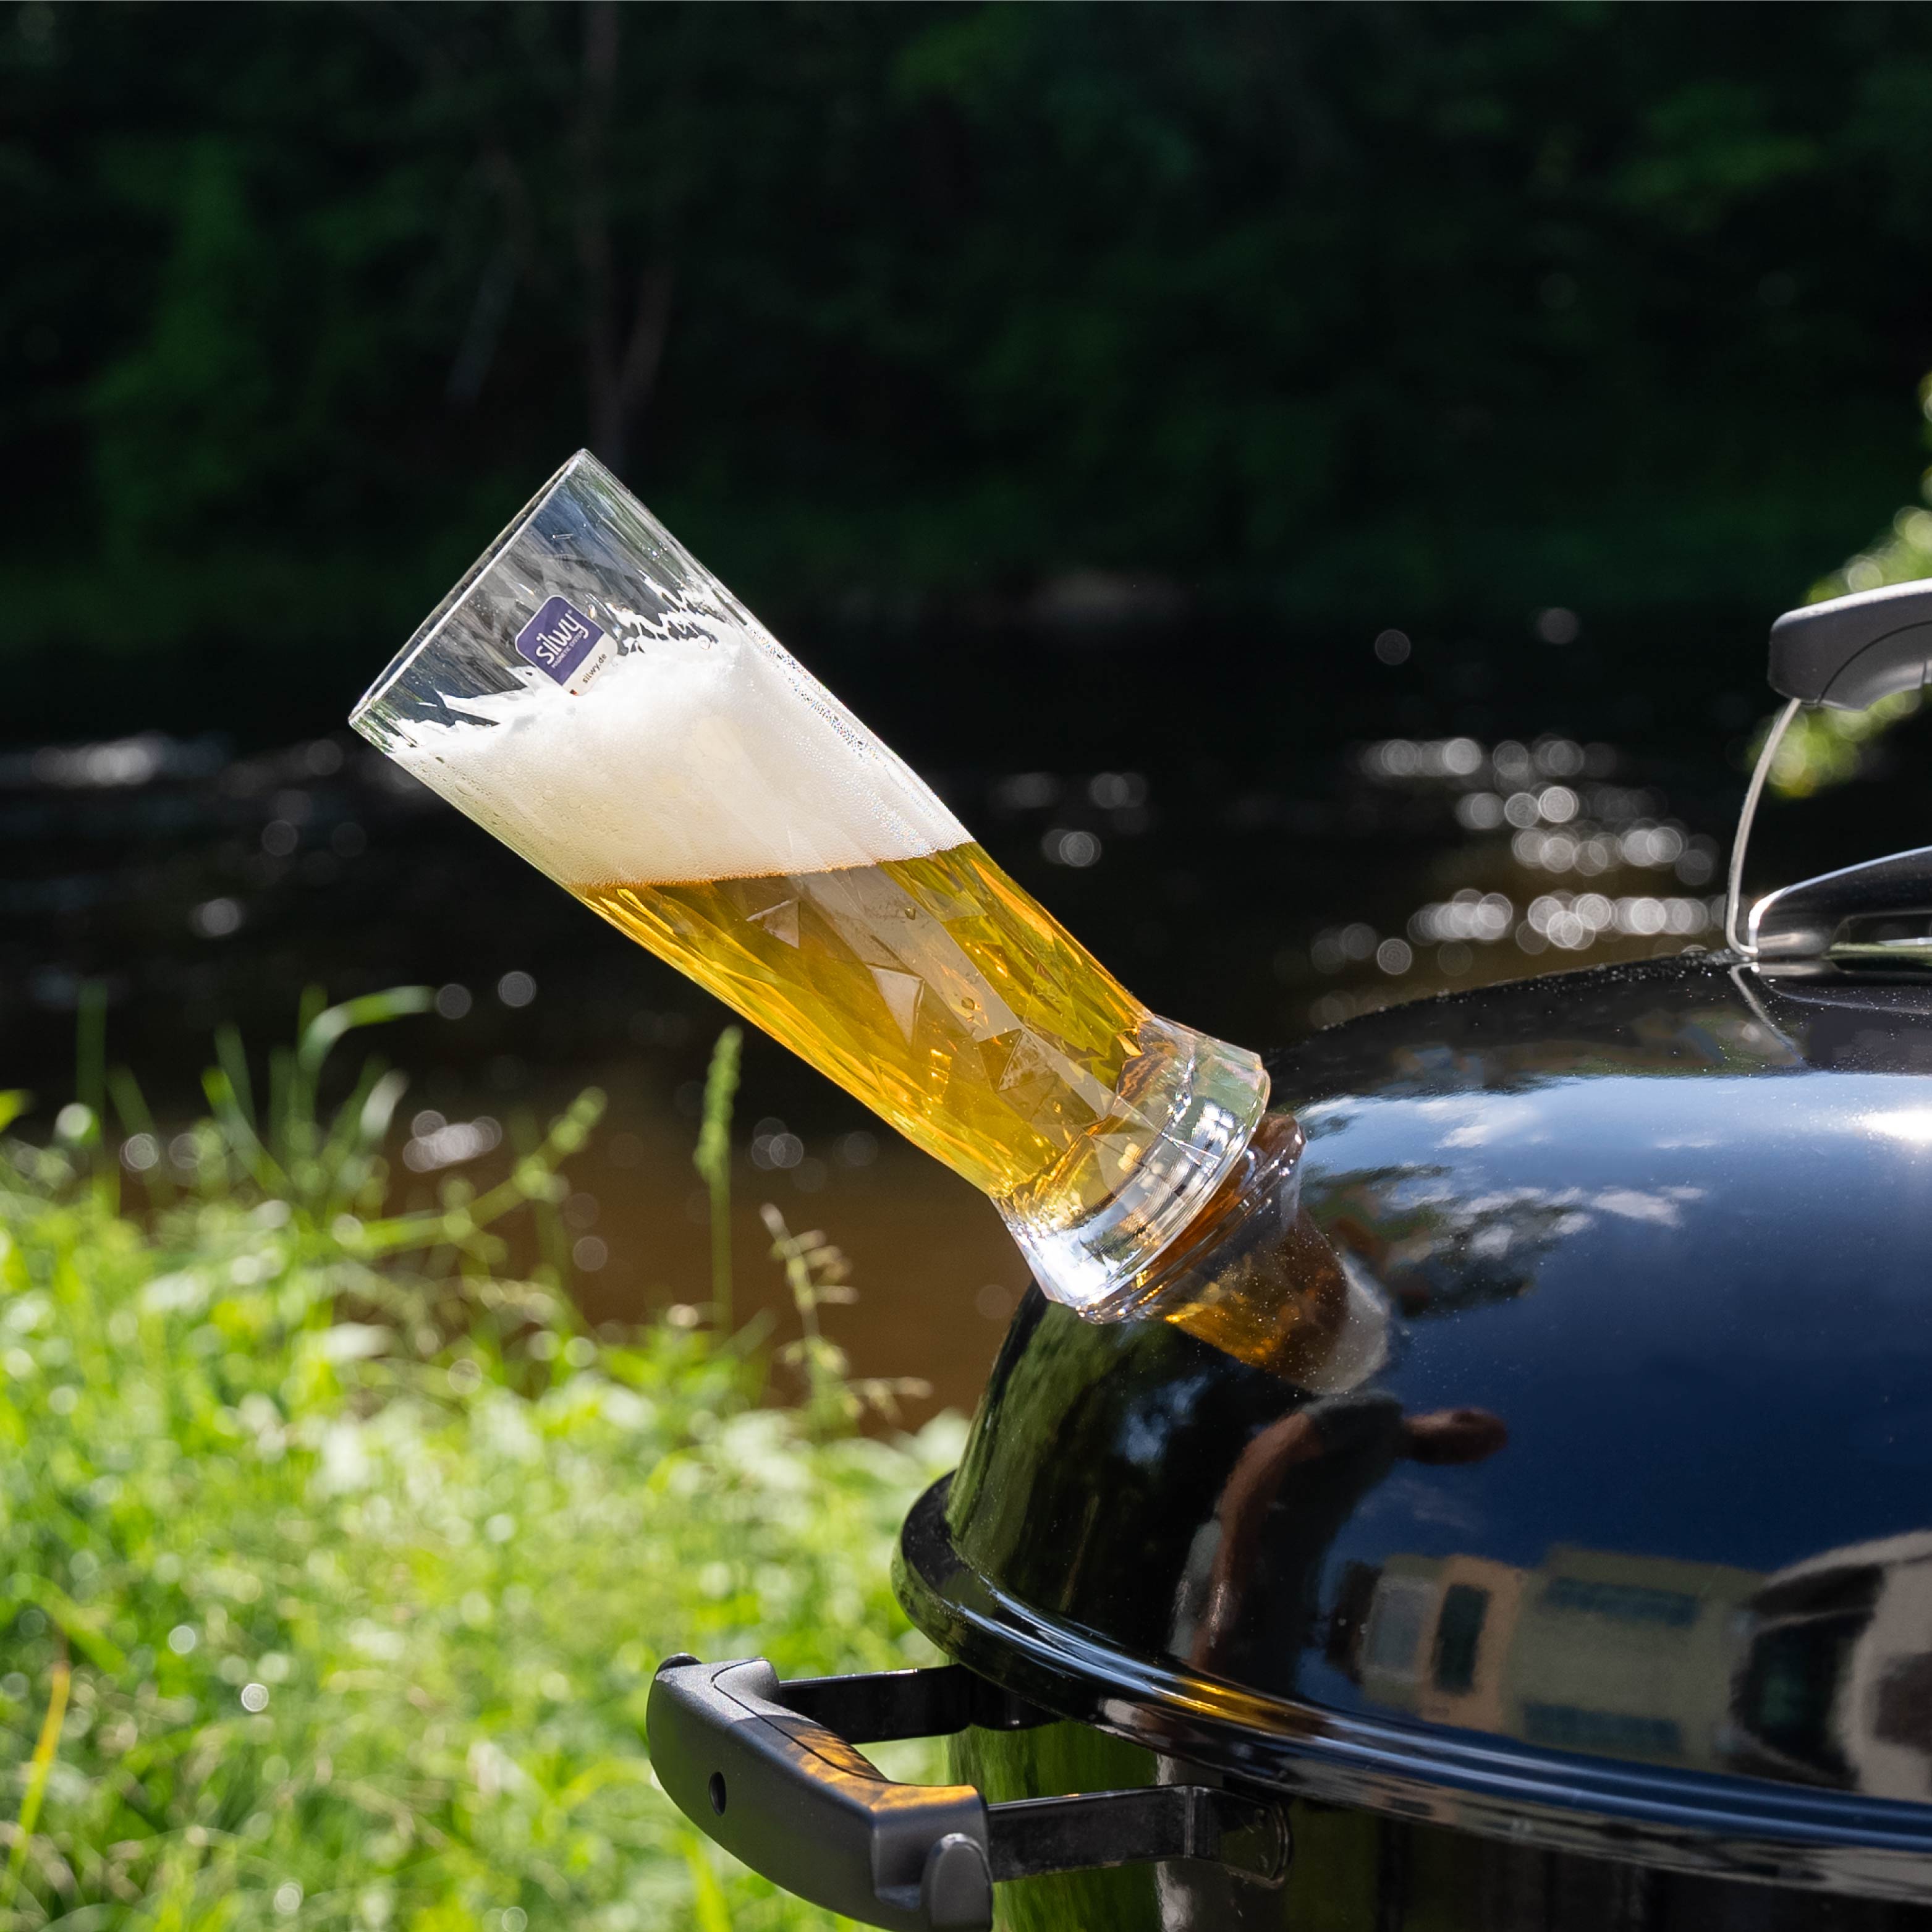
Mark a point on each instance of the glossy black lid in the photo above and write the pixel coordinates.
(1604, 1503)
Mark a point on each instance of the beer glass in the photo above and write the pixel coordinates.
(592, 695)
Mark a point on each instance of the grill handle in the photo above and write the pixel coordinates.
(768, 1770)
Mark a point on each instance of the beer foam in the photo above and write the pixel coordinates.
(708, 757)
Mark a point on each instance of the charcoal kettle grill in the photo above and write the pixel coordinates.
(1576, 1575)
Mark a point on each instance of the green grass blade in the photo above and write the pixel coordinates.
(39, 1767)
(130, 1106)
(712, 1157)
(319, 1037)
(232, 1059)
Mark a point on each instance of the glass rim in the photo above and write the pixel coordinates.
(452, 600)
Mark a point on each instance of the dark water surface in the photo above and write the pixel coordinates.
(1253, 898)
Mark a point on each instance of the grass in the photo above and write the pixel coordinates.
(336, 1556)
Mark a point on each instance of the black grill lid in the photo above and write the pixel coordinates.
(1605, 1505)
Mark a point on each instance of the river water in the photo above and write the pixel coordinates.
(199, 886)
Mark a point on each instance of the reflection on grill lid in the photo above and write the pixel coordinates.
(1617, 1510)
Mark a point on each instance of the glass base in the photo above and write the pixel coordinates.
(1255, 1276)
(1188, 1107)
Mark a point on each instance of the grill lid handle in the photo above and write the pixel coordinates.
(768, 1770)
(1809, 921)
(1846, 653)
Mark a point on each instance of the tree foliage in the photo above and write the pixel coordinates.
(1428, 308)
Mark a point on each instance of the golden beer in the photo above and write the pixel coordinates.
(593, 698)
(937, 992)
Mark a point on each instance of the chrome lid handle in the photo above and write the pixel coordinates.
(1734, 939)
(1847, 653)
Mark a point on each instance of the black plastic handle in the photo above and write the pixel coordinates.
(759, 1766)
(1850, 652)
(797, 1803)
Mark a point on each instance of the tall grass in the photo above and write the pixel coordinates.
(712, 1157)
(335, 1557)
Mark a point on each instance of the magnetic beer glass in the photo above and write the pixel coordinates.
(592, 695)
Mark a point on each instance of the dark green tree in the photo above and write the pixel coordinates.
(1444, 311)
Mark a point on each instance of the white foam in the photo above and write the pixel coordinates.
(685, 759)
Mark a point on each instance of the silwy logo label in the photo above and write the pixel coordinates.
(558, 639)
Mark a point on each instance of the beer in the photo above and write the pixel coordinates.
(591, 697)
(934, 989)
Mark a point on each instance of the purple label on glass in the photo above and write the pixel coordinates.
(558, 639)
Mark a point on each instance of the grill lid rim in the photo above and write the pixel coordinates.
(1726, 1824)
